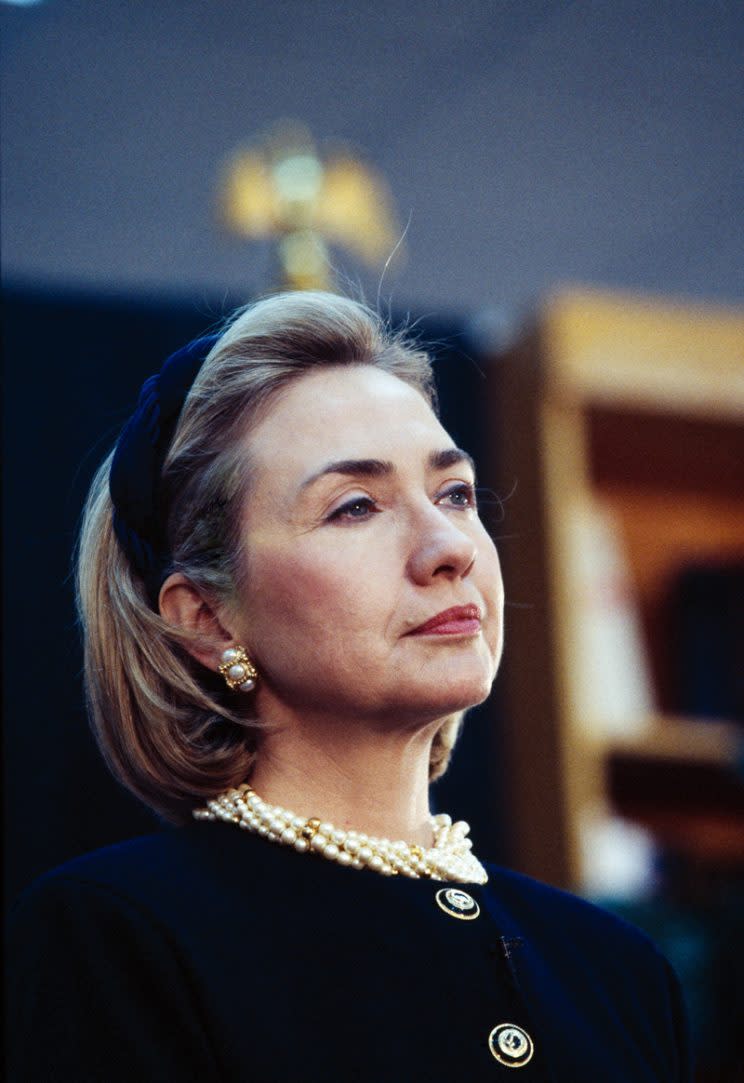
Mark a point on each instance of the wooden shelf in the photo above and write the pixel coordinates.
(613, 349)
(683, 781)
(684, 740)
(632, 410)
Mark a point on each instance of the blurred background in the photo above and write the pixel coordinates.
(550, 192)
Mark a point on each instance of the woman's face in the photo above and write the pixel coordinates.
(359, 529)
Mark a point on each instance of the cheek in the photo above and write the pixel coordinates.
(287, 589)
(309, 617)
(301, 596)
(492, 591)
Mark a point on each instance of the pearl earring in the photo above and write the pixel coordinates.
(238, 670)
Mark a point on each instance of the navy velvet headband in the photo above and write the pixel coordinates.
(139, 457)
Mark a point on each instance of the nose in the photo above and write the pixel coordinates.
(440, 547)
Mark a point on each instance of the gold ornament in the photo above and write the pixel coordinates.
(281, 187)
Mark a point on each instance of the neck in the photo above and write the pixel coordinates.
(351, 776)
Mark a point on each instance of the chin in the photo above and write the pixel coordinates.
(469, 683)
(451, 696)
(438, 690)
(472, 696)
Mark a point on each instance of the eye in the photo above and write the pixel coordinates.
(461, 495)
(359, 507)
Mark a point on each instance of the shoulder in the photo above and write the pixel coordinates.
(174, 879)
(137, 872)
(96, 960)
(543, 913)
(112, 864)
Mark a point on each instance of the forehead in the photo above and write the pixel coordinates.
(344, 412)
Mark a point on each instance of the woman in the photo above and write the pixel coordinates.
(288, 601)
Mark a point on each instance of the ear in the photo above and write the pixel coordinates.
(184, 606)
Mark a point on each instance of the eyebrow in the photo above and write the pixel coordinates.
(375, 468)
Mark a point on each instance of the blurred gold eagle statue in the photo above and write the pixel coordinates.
(280, 187)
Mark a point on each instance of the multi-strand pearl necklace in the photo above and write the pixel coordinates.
(450, 857)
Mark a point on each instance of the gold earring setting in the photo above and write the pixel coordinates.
(239, 672)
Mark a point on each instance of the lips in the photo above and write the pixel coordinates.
(459, 620)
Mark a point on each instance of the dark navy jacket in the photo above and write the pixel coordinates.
(205, 953)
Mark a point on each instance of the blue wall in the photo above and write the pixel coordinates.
(531, 141)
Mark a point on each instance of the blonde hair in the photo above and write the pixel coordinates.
(170, 730)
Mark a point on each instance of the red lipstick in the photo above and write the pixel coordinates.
(462, 620)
